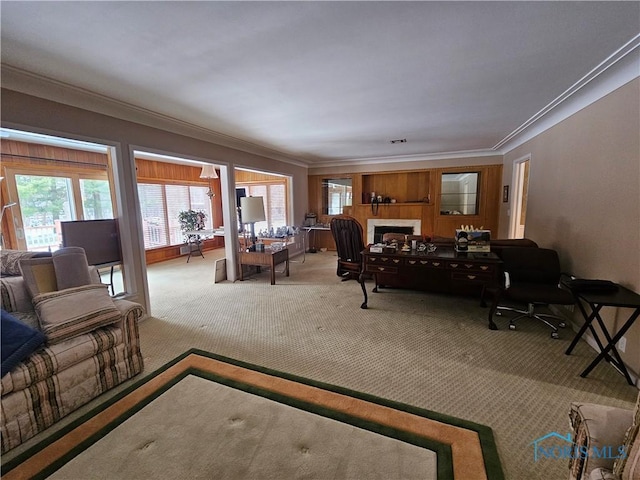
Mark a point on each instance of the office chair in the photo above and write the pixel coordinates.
(347, 233)
(532, 277)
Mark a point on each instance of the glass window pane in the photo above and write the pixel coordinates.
(96, 199)
(177, 201)
(44, 203)
(153, 215)
(277, 215)
(200, 201)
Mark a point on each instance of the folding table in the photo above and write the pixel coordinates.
(622, 298)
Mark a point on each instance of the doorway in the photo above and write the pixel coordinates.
(519, 199)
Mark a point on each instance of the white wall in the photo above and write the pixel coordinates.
(584, 196)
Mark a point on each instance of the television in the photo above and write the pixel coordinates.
(99, 238)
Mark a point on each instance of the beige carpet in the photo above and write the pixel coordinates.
(431, 351)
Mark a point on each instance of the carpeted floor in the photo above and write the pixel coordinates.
(431, 351)
(206, 416)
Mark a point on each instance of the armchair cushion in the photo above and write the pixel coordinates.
(74, 311)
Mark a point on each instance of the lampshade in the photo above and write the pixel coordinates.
(252, 209)
(208, 171)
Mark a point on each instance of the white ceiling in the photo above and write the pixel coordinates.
(325, 81)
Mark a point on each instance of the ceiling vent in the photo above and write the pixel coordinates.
(399, 140)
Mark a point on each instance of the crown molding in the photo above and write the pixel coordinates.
(621, 67)
(29, 83)
(419, 157)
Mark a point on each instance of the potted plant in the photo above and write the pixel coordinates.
(191, 220)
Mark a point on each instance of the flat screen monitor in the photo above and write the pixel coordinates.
(99, 238)
(240, 192)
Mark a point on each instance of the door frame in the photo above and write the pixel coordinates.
(517, 194)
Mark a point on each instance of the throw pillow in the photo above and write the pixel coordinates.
(71, 267)
(74, 311)
(39, 275)
(18, 341)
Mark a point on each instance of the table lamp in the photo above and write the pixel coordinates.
(252, 212)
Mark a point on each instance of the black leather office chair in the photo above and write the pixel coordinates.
(347, 233)
(532, 277)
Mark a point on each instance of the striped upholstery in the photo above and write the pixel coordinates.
(60, 378)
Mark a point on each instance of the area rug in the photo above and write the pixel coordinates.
(207, 416)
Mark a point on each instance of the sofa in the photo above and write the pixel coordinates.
(605, 442)
(65, 341)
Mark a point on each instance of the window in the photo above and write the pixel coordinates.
(336, 194)
(47, 199)
(275, 204)
(160, 205)
(459, 193)
(96, 199)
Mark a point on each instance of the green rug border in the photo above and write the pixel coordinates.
(444, 464)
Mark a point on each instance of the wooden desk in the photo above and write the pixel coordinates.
(623, 297)
(444, 270)
(268, 258)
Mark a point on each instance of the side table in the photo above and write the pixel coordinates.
(268, 258)
(622, 297)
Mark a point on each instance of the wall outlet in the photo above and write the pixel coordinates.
(622, 344)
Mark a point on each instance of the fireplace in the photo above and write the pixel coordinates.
(407, 226)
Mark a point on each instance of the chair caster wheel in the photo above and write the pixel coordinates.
(512, 326)
(555, 335)
(562, 324)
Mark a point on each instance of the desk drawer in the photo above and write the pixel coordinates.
(424, 262)
(383, 260)
(471, 267)
(473, 277)
(380, 268)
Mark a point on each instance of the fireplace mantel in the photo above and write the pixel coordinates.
(392, 222)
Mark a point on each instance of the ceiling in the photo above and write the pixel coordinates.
(322, 81)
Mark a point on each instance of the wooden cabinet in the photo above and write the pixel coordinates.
(417, 195)
(403, 187)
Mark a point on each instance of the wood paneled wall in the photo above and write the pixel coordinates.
(171, 173)
(417, 195)
(23, 153)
